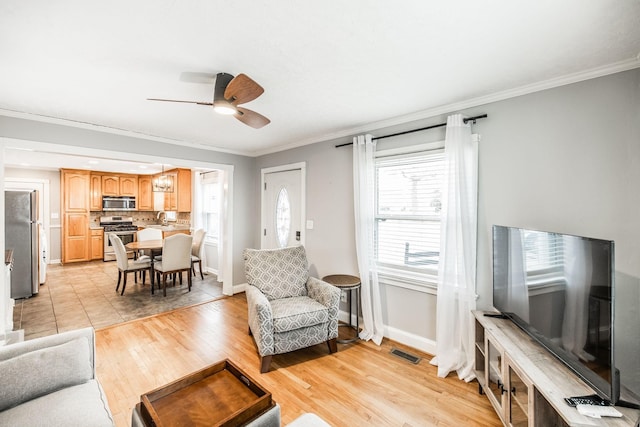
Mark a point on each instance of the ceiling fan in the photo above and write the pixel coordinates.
(228, 94)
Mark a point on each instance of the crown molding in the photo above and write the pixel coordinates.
(593, 73)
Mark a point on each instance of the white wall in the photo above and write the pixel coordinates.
(565, 160)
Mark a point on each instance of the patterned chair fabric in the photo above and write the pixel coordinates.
(288, 309)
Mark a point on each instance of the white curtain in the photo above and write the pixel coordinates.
(457, 270)
(364, 206)
(578, 270)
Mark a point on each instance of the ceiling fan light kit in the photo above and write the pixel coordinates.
(229, 92)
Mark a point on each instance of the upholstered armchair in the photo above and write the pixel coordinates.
(288, 309)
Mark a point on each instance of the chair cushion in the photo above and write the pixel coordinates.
(297, 312)
(278, 273)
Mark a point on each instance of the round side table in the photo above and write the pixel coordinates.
(346, 282)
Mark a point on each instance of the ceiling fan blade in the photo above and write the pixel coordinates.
(197, 77)
(177, 100)
(242, 89)
(251, 118)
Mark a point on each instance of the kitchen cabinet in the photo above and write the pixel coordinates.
(128, 185)
(180, 199)
(97, 243)
(95, 201)
(120, 185)
(145, 193)
(110, 185)
(75, 203)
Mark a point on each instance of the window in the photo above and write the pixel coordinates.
(407, 213)
(211, 206)
(544, 256)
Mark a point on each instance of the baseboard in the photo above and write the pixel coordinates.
(239, 288)
(415, 341)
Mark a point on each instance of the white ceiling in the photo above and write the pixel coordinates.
(329, 68)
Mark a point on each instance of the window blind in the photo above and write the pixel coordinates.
(407, 212)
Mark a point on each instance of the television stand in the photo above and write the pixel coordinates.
(526, 384)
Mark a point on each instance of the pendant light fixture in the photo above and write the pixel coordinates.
(163, 183)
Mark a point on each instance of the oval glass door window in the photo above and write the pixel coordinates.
(283, 217)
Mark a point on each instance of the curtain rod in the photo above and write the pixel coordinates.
(468, 119)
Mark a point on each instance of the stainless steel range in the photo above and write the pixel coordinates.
(121, 226)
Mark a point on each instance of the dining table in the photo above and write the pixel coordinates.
(153, 246)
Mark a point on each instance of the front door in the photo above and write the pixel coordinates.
(282, 209)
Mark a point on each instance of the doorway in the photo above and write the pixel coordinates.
(283, 206)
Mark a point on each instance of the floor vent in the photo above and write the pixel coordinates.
(406, 356)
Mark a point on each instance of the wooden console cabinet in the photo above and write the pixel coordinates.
(525, 383)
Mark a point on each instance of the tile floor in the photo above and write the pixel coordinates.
(83, 294)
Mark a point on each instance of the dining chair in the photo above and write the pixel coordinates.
(148, 234)
(125, 265)
(198, 239)
(176, 258)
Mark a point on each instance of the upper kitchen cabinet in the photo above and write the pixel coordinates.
(120, 185)
(145, 193)
(76, 190)
(180, 199)
(110, 185)
(95, 199)
(128, 185)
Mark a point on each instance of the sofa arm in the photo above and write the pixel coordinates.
(260, 320)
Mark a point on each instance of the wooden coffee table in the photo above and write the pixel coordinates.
(219, 395)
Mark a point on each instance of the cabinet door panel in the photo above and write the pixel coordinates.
(96, 193)
(110, 185)
(128, 186)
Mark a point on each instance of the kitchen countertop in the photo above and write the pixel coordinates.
(167, 227)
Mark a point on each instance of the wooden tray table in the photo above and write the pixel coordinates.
(219, 395)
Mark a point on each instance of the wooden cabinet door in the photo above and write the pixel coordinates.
(110, 185)
(75, 187)
(128, 186)
(183, 202)
(95, 202)
(145, 193)
(76, 248)
(97, 244)
(171, 200)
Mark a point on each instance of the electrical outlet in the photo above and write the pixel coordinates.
(343, 297)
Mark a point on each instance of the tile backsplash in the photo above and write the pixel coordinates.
(141, 217)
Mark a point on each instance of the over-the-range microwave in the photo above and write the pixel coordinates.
(118, 203)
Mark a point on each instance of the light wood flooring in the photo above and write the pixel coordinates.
(83, 294)
(360, 385)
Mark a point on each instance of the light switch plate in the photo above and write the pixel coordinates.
(309, 224)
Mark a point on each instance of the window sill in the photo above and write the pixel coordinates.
(424, 283)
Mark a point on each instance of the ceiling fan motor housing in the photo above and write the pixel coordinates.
(222, 81)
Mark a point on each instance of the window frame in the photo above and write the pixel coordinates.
(423, 280)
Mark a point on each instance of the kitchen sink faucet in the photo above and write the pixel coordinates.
(164, 218)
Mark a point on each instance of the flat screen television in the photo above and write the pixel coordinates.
(559, 289)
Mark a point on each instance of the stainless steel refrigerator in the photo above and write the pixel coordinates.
(21, 234)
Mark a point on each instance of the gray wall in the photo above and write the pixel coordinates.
(565, 159)
(245, 227)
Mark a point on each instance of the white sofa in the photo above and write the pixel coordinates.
(51, 381)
